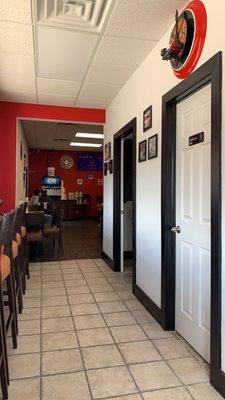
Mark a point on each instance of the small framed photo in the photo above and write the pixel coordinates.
(142, 154)
(111, 166)
(100, 181)
(107, 151)
(153, 147)
(90, 176)
(80, 181)
(105, 168)
(147, 119)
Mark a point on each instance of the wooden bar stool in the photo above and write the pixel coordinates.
(7, 274)
(3, 353)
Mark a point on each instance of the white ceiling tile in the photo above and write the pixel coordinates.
(18, 38)
(15, 11)
(115, 74)
(122, 51)
(29, 131)
(55, 86)
(94, 90)
(143, 19)
(61, 146)
(17, 82)
(64, 54)
(17, 64)
(68, 131)
(23, 97)
(88, 102)
(55, 99)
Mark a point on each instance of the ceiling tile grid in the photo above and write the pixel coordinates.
(56, 86)
(76, 52)
(58, 135)
(55, 99)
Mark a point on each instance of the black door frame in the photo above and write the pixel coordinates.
(122, 133)
(210, 72)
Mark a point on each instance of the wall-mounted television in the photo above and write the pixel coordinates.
(89, 162)
(51, 181)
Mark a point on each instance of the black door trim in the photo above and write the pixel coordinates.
(210, 72)
(123, 132)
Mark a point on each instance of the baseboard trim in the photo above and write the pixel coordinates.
(150, 306)
(217, 380)
(108, 260)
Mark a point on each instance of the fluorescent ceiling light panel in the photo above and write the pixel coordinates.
(78, 144)
(90, 135)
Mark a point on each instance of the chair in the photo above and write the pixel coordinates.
(7, 273)
(35, 229)
(24, 240)
(9, 249)
(20, 259)
(55, 232)
(54, 216)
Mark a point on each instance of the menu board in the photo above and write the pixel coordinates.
(89, 162)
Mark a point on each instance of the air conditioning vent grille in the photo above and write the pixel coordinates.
(87, 15)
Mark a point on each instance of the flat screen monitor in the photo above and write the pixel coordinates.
(51, 181)
(89, 162)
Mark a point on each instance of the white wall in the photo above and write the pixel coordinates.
(146, 86)
(20, 163)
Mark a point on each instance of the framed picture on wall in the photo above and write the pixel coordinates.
(107, 151)
(153, 147)
(147, 119)
(105, 168)
(111, 166)
(142, 153)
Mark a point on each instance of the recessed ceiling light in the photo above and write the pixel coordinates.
(78, 144)
(90, 135)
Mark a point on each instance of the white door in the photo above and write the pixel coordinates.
(193, 181)
(122, 207)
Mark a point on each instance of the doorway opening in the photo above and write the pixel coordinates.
(209, 74)
(124, 219)
(60, 172)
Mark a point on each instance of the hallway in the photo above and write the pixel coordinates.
(83, 335)
(81, 239)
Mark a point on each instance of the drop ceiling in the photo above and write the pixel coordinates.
(59, 135)
(76, 53)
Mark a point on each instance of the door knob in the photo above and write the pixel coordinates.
(176, 229)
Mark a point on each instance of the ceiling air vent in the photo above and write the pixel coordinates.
(86, 15)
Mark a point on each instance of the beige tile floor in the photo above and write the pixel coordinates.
(83, 335)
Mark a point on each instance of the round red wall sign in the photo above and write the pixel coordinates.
(187, 39)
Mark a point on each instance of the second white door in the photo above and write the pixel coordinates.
(193, 253)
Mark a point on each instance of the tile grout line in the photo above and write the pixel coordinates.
(81, 355)
(153, 345)
(130, 311)
(118, 349)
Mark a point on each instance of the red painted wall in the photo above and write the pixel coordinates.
(40, 160)
(9, 112)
